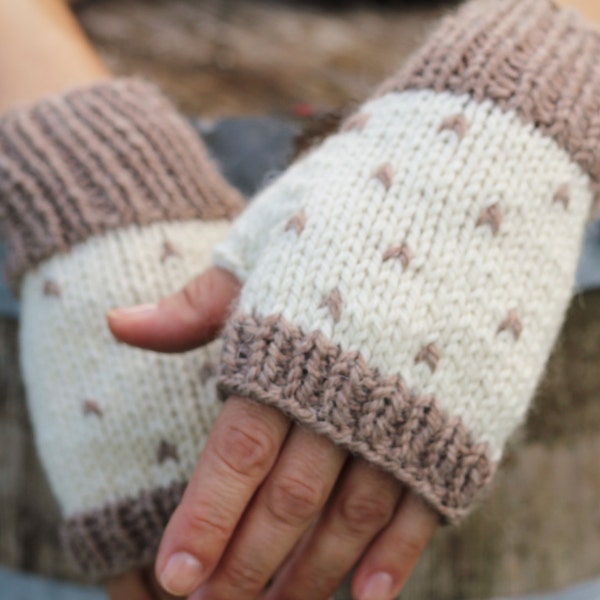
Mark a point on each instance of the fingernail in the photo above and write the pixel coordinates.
(182, 574)
(132, 311)
(378, 587)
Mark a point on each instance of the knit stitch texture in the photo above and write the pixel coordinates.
(109, 199)
(80, 164)
(416, 267)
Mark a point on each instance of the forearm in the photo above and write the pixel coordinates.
(590, 9)
(42, 51)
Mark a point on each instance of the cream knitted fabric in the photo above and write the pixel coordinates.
(108, 199)
(417, 266)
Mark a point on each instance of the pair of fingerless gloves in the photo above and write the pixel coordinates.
(403, 283)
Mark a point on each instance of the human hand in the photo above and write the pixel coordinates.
(138, 584)
(270, 500)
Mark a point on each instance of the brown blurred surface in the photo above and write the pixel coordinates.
(224, 57)
(540, 529)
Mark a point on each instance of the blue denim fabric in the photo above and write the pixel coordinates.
(588, 273)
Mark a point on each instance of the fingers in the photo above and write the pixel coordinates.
(291, 498)
(391, 559)
(363, 504)
(240, 451)
(190, 318)
(157, 591)
(129, 586)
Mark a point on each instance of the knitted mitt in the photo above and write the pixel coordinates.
(405, 282)
(107, 198)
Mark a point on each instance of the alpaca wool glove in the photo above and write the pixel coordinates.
(107, 198)
(405, 282)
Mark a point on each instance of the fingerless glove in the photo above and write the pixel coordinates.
(107, 198)
(405, 281)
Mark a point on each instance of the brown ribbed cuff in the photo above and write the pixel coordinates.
(372, 415)
(524, 55)
(121, 536)
(107, 156)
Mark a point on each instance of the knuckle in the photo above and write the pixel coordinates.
(409, 547)
(246, 448)
(209, 523)
(244, 574)
(362, 513)
(294, 500)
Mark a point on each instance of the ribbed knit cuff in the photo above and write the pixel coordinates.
(530, 56)
(122, 536)
(98, 158)
(407, 307)
(337, 394)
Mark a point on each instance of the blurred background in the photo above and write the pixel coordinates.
(259, 80)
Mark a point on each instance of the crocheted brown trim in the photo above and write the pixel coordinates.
(99, 158)
(123, 535)
(525, 55)
(338, 394)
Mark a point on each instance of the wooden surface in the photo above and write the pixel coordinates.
(540, 528)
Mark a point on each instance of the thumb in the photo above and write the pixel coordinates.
(190, 318)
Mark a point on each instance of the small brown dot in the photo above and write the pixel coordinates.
(430, 355)
(356, 122)
(297, 222)
(512, 323)
(167, 451)
(563, 196)
(51, 289)
(333, 302)
(457, 123)
(168, 251)
(402, 252)
(208, 370)
(491, 216)
(385, 174)
(91, 407)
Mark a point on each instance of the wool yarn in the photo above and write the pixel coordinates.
(107, 199)
(405, 281)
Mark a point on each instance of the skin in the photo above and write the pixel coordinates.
(34, 30)
(256, 508)
(268, 500)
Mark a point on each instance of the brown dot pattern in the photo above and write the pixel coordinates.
(491, 217)
(457, 123)
(168, 251)
(430, 355)
(562, 196)
(166, 451)
(297, 222)
(334, 303)
(51, 289)
(91, 407)
(512, 323)
(385, 174)
(401, 253)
